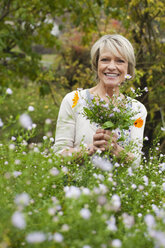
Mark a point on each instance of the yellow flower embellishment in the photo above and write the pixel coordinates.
(75, 99)
(138, 123)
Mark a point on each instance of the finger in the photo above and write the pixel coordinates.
(100, 148)
(100, 143)
(98, 136)
(100, 130)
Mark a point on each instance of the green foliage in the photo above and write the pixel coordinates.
(73, 198)
(18, 103)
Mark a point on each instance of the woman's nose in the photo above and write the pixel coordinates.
(111, 64)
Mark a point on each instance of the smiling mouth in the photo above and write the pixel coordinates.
(111, 75)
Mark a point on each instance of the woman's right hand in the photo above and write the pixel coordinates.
(103, 139)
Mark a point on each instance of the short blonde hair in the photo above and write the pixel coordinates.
(116, 44)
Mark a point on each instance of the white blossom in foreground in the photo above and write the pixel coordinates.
(48, 121)
(115, 202)
(85, 213)
(58, 237)
(54, 171)
(145, 178)
(1, 123)
(25, 121)
(86, 191)
(31, 108)
(162, 166)
(159, 238)
(17, 173)
(72, 192)
(102, 163)
(36, 237)
(149, 220)
(9, 91)
(12, 147)
(86, 246)
(22, 199)
(128, 220)
(116, 243)
(163, 186)
(18, 220)
(111, 224)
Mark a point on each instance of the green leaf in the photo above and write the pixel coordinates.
(108, 125)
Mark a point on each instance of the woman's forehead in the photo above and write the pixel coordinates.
(110, 49)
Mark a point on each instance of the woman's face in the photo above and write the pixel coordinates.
(111, 68)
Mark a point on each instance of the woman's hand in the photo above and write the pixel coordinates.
(106, 140)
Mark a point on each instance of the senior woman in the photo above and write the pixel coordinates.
(112, 58)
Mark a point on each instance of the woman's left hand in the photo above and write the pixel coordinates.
(106, 140)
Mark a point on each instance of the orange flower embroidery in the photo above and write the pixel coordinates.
(75, 99)
(138, 123)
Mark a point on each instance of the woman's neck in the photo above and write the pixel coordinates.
(103, 91)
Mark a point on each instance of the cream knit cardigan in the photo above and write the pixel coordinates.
(73, 128)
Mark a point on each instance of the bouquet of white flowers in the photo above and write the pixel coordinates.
(112, 114)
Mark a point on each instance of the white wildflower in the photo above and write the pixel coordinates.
(18, 220)
(102, 200)
(9, 91)
(85, 191)
(162, 166)
(149, 220)
(85, 213)
(146, 89)
(58, 237)
(35, 237)
(12, 147)
(132, 89)
(17, 173)
(51, 211)
(116, 243)
(128, 220)
(54, 171)
(36, 149)
(128, 76)
(65, 228)
(159, 237)
(112, 224)
(51, 139)
(64, 170)
(102, 163)
(163, 186)
(17, 161)
(48, 121)
(1, 123)
(34, 125)
(103, 188)
(145, 178)
(133, 186)
(115, 202)
(72, 192)
(22, 199)
(30, 108)
(25, 121)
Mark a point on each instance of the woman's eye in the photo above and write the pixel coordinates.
(104, 59)
(120, 61)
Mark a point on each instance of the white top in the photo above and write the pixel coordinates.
(73, 128)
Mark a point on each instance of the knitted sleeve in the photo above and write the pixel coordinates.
(65, 129)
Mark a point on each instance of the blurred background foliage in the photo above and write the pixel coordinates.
(45, 52)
